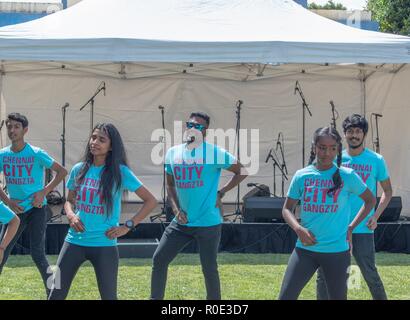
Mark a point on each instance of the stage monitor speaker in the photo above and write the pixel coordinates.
(263, 209)
(261, 191)
(393, 210)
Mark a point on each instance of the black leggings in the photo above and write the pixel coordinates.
(104, 260)
(34, 223)
(173, 240)
(303, 265)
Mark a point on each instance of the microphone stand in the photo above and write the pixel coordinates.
(164, 190)
(91, 101)
(281, 145)
(239, 103)
(376, 143)
(275, 164)
(304, 108)
(335, 115)
(64, 111)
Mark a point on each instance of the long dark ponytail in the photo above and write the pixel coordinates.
(329, 132)
(110, 180)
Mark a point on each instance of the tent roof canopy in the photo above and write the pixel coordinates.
(212, 31)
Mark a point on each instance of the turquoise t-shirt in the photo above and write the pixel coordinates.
(90, 207)
(6, 215)
(371, 167)
(24, 172)
(327, 217)
(196, 174)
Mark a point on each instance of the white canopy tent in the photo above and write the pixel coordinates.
(256, 31)
(189, 55)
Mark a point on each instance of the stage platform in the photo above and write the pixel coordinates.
(237, 237)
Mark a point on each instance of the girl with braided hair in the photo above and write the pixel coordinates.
(373, 170)
(324, 232)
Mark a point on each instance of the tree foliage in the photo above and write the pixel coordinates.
(392, 15)
(330, 5)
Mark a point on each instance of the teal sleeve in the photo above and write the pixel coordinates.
(71, 185)
(295, 191)
(45, 159)
(355, 184)
(224, 159)
(382, 172)
(6, 215)
(130, 181)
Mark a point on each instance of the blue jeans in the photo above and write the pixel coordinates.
(35, 222)
(364, 254)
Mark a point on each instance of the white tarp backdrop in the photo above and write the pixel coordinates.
(389, 95)
(269, 105)
(203, 55)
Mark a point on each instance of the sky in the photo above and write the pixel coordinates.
(349, 4)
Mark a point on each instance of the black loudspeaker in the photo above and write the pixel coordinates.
(393, 210)
(263, 209)
(261, 191)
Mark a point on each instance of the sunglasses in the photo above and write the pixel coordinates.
(197, 126)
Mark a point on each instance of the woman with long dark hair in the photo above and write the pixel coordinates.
(324, 233)
(93, 209)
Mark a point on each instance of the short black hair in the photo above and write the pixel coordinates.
(19, 118)
(355, 121)
(201, 115)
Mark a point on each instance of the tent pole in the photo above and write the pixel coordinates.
(2, 108)
(363, 92)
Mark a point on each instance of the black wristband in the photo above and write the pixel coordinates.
(221, 194)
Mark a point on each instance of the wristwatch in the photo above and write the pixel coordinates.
(221, 194)
(129, 224)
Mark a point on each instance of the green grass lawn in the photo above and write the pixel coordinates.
(243, 276)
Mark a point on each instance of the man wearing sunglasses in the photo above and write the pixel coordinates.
(193, 172)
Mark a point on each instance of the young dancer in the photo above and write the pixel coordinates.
(193, 171)
(324, 232)
(93, 209)
(372, 168)
(23, 166)
(7, 217)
